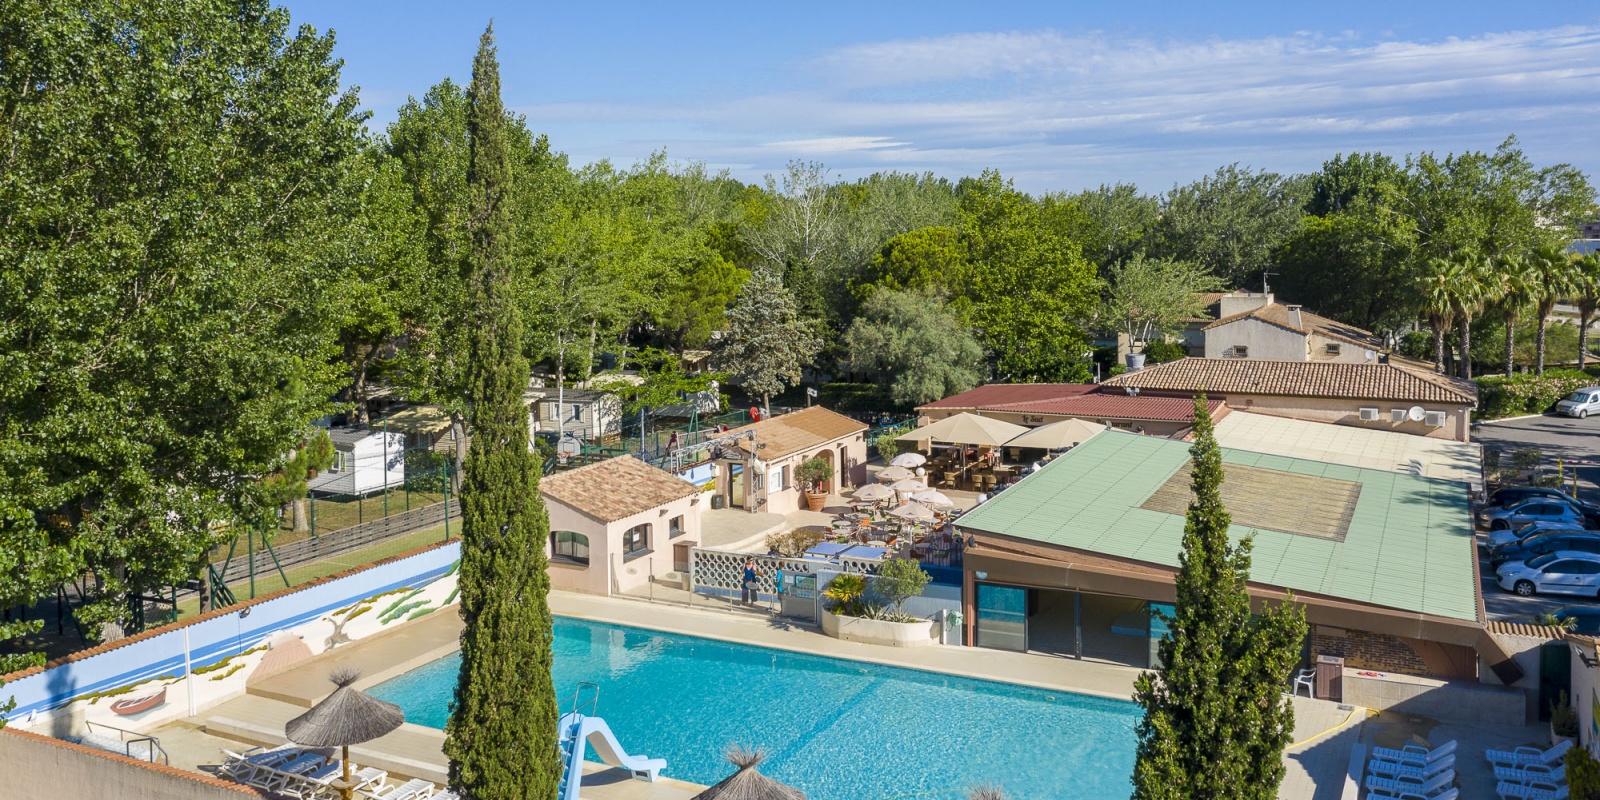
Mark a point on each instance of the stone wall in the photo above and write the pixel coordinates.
(38, 766)
(1364, 650)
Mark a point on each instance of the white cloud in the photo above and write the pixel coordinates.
(1046, 105)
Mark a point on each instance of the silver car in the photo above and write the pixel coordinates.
(1505, 536)
(1581, 403)
(1563, 572)
(1536, 510)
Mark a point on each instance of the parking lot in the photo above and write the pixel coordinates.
(1557, 437)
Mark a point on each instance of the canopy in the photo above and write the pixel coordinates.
(932, 498)
(895, 473)
(915, 512)
(909, 460)
(909, 485)
(1057, 435)
(344, 718)
(747, 783)
(874, 492)
(965, 428)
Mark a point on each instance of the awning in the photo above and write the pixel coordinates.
(966, 428)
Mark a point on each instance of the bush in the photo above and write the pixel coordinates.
(888, 444)
(1418, 344)
(1499, 396)
(855, 397)
(845, 591)
(813, 472)
(898, 580)
(1563, 718)
(794, 543)
(1583, 774)
(426, 470)
(1161, 351)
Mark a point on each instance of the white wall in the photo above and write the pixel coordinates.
(1264, 340)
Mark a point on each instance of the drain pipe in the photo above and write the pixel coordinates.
(188, 670)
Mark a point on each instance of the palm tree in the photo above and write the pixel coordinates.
(1554, 277)
(1472, 283)
(1514, 292)
(1438, 304)
(1588, 296)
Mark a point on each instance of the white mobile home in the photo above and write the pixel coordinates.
(365, 461)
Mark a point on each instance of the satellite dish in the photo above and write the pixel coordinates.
(1416, 414)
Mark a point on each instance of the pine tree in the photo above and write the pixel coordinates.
(1216, 716)
(767, 343)
(501, 735)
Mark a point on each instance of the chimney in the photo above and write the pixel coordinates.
(1240, 302)
(1294, 317)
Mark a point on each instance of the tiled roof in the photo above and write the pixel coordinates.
(800, 430)
(1278, 314)
(1225, 376)
(994, 394)
(1111, 406)
(1409, 544)
(616, 488)
(1528, 629)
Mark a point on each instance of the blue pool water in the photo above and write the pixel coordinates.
(838, 730)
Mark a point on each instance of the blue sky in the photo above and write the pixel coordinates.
(1057, 95)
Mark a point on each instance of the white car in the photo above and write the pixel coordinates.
(1563, 572)
(1581, 403)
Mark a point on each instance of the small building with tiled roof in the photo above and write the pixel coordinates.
(1256, 326)
(764, 480)
(614, 524)
(1376, 395)
(1036, 404)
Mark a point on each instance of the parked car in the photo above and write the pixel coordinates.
(1512, 495)
(1541, 510)
(1561, 572)
(1517, 533)
(1581, 403)
(1586, 619)
(1546, 542)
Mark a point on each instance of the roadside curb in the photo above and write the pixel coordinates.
(1513, 419)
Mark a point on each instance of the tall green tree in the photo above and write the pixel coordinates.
(1216, 719)
(176, 186)
(913, 341)
(1231, 222)
(1437, 297)
(1150, 298)
(1121, 222)
(1587, 295)
(1472, 284)
(1512, 297)
(1554, 275)
(767, 343)
(501, 737)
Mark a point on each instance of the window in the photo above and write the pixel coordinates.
(675, 527)
(783, 481)
(577, 413)
(569, 547)
(1565, 568)
(1240, 351)
(636, 542)
(1333, 348)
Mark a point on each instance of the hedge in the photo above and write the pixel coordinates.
(1499, 396)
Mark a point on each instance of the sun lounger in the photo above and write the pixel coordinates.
(1449, 794)
(1414, 754)
(1423, 770)
(1533, 773)
(1535, 791)
(242, 767)
(410, 790)
(1425, 787)
(1527, 754)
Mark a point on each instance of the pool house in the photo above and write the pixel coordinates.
(616, 523)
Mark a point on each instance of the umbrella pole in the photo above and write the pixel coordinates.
(344, 791)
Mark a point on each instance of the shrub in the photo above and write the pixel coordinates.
(425, 470)
(813, 472)
(898, 580)
(1499, 396)
(845, 591)
(794, 543)
(888, 444)
(1563, 718)
(1161, 351)
(1417, 344)
(1583, 774)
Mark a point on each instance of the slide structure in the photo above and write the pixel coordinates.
(579, 731)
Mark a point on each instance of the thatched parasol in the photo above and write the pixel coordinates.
(747, 783)
(344, 718)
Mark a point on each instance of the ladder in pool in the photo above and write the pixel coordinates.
(576, 731)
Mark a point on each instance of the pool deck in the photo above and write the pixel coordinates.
(1316, 763)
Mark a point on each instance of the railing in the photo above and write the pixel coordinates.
(718, 572)
(122, 744)
(356, 537)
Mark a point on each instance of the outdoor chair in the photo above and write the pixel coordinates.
(1526, 755)
(1448, 794)
(1537, 791)
(410, 790)
(1422, 771)
(1533, 773)
(1414, 754)
(1307, 678)
(1425, 787)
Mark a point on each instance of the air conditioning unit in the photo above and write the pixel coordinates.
(1397, 415)
(1434, 419)
(1369, 415)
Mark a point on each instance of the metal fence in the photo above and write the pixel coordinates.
(720, 573)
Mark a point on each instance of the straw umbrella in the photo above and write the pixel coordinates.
(909, 460)
(893, 473)
(747, 783)
(344, 718)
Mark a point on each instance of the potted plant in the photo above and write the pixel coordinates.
(1563, 721)
(813, 474)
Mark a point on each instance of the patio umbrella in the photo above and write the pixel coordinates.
(1057, 435)
(915, 512)
(909, 460)
(932, 498)
(747, 783)
(874, 492)
(344, 718)
(894, 474)
(966, 428)
(909, 485)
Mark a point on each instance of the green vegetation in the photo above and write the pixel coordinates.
(1583, 774)
(1563, 718)
(793, 543)
(767, 342)
(899, 580)
(1216, 718)
(916, 343)
(1526, 393)
(501, 736)
(814, 472)
(846, 592)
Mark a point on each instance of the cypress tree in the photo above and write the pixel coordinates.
(1216, 716)
(501, 734)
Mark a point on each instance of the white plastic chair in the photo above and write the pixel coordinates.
(1307, 678)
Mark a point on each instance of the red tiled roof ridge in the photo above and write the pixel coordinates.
(978, 396)
(650, 487)
(1296, 379)
(106, 647)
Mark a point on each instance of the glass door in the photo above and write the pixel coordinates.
(1002, 617)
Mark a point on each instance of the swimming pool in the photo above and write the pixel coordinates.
(838, 730)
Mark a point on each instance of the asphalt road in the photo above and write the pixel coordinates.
(1558, 437)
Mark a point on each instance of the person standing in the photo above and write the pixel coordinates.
(748, 595)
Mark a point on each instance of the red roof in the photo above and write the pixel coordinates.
(994, 394)
(1112, 406)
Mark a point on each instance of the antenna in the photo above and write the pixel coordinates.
(1265, 288)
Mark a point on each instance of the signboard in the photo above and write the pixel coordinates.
(810, 392)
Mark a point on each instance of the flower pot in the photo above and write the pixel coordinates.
(1135, 361)
(816, 500)
(876, 631)
(311, 473)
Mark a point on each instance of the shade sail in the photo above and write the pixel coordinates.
(1057, 435)
(966, 428)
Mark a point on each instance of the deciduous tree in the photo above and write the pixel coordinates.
(913, 341)
(766, 344)
(501, 737)
(1152, 297)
